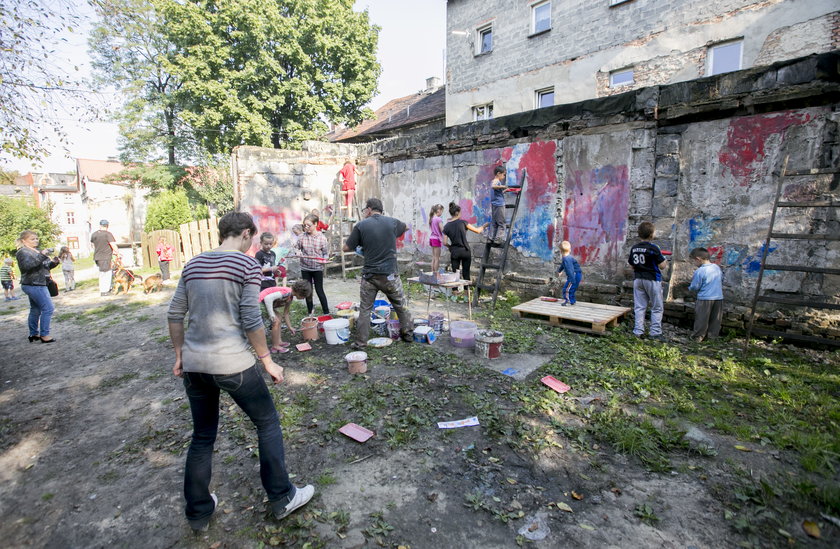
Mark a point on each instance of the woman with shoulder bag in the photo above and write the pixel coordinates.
(35, 268)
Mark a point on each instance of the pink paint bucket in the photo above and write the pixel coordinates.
(309, 328)
(394, 328)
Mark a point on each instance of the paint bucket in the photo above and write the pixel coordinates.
(356, 362)
(321, 320)
(344, 305)
(309, 328)
(383, 311)
(394, 328)
(488, 343)
(424, 334)
(379, 326)
(337, 331)
(436, 322)
(348, 314)
(462, 333)
(420, 322)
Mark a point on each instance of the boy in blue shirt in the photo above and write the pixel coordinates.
(573, 274)
(708, 283)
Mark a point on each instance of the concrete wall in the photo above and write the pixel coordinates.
(664, 42)
(700, 159)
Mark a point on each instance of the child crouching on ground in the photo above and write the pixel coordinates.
(573, 274)
(708, 283)
(282, 296)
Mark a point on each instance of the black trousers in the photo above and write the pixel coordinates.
(460, 258)
(316, 279)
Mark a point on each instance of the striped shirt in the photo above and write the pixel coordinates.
(220, 290)
(6, 272)
(313, 245)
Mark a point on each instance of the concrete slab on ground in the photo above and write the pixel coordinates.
(523, 364)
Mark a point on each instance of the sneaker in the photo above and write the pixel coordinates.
(660, 338)
(202, 525)
(357, 345)
(302, 497)
(104, 294)
(565, 304)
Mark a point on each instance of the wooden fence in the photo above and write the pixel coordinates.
(199, 236)
(148, 247)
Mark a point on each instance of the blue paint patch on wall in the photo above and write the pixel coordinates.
(700, 232)
(752, 263)
(530, 233)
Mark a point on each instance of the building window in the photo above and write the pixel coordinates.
(485, 39)
(725, 57)
(71, 218)
(621, 77)
(544, 98)
(73, 242)
(482, 112)
(540, 17)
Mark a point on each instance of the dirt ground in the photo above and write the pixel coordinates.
(94, 430)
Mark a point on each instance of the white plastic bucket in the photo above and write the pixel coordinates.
(337, 331)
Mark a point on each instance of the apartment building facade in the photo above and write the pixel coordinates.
(510, 56)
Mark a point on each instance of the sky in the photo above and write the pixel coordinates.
(411, 48)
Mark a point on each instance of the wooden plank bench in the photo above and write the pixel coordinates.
(592, 318)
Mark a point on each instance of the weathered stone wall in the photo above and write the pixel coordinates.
(699, 158)
(664, 42)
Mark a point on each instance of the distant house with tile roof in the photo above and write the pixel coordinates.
(420, 111)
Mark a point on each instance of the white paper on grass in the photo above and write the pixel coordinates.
(468, 422)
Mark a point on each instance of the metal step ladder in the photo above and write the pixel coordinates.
(830, 201)
(498, 264)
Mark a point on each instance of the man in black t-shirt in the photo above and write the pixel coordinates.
(104, 248)
(377, 235)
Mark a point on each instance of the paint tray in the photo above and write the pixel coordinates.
(551, 299)
(555, 384)
(303, 347)
(356, 432)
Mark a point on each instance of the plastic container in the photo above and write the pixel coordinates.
(337, 331)
(383, 311)
(424, 334)
(381, 303)
(420, 322)
(348, 314)
(309, 328)
(394, 328)
(436, 322)
(379, 326)
(462, 333)
(356, 362)
(321, 320)
(488, 343)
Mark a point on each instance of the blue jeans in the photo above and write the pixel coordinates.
(571, 286)
(249, 391)
(40, 309)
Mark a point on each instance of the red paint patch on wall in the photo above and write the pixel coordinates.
(715, 254)
(595, 216)
(744, 150)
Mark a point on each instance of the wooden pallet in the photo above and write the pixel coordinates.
(592, 318)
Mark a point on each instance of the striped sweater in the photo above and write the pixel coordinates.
(221, 291)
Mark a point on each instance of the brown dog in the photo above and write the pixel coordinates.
(153, 283)
(124, 279)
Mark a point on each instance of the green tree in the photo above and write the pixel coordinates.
(127, 48)
(168, 210)
(269, 72)
(17, 216)
(34, 80)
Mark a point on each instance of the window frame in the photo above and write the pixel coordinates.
(710, 55)
(73, 242)
(534, 8)
(70, 217)
(538, 94)
(612, 74)
(485, 107)
(479, 43)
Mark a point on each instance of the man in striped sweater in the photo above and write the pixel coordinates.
(220, 289)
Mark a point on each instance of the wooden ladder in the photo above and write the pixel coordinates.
(829, 202)
(348, 216)
(499, 267)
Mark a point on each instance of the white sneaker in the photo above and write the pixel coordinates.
(302, 497)
(202, 525)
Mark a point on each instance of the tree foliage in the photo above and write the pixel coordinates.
(34, 82)
(168, 210)
(269, 72)
(17, 216)
(128, 47)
